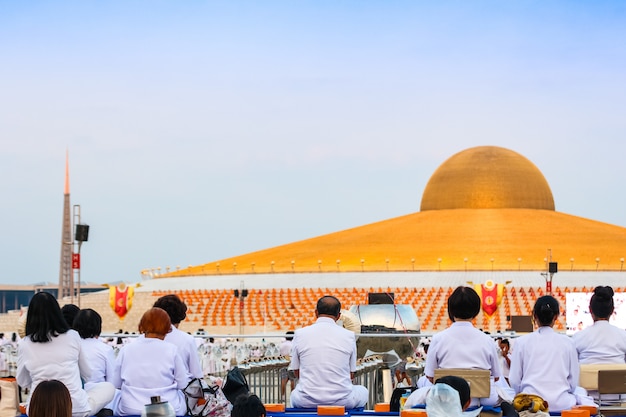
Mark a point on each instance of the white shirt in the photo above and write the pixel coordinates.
(285, 348)
(188, 351)
(146, 368)
(504, 366)
(601, 343)
(462, 346)
(545, 363)
(101, 358)
(63, 359)
(325, 354)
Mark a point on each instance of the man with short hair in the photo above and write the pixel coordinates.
(323, 357)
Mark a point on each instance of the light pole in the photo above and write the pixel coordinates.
(551, 269)
(81, 235)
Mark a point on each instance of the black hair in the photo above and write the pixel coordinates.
(506, 342)
(463, 303)
(546, 310)
(173, 306)
(69, 312)
(248, 405)
(44, 319)
(88, 323)
(329, 305)
(601, 303)
(288, 337)
(460, 385)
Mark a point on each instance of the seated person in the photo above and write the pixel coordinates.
(545, 363)
(51, 398)
(51, 350)
(248, 405)
(463, 346)
(101, 357)
(149, 366)
(323, 357)
(187, 348)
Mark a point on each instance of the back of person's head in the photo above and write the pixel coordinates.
(156, 321)
(50, 399)
(173, 306)
(463, 303)
(546, 310)
(329, 305)
(88, 323)
(44, 319)
(601, 303)
(459, 384)
(248, 405)
(443, 401)
(69, 312)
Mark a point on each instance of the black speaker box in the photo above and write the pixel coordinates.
(82, 233)
(553, 267)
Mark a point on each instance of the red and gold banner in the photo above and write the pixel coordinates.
(490, 296)
(121, 299)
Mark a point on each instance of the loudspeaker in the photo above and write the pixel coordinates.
(553, 267)
(522, 324)
(82, 233)
(380, 298)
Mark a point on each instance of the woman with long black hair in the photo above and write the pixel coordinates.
(51, 350)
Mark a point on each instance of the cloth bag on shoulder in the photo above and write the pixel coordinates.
(9, 398)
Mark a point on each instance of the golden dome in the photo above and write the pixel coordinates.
(487, 177)
(512, 229)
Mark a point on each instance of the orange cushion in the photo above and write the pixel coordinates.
(575, 413)
(381, 407)
(331, 410)
(275, 408)
(413, 412)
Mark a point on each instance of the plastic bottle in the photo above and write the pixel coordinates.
(158, 408)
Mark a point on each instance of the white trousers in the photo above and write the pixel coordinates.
(100, 394)
(358, 398)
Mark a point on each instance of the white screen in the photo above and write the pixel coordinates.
(578, 316)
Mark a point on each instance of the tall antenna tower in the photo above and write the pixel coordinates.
(66, 275)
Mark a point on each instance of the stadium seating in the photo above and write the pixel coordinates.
(273, 310)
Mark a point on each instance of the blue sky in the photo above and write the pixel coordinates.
(201, 130)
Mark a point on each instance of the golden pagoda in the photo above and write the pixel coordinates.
(484, 209)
